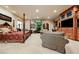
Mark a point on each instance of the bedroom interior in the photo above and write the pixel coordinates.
(39, 29)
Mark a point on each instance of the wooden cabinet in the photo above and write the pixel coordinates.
(71, 29)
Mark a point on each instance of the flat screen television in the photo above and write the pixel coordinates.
(67, 23)
(78, 22)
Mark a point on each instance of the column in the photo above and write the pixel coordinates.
(23, 25)
(75, 24)
(30, 24)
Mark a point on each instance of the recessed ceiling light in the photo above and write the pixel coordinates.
(48, 17)
(37, 10)
(14, 11)
(55, 11)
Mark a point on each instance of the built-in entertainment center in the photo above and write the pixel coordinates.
(69, 22)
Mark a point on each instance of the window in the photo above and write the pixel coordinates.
(69, 13)
(63, 16)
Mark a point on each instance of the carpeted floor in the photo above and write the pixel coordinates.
(31, 46)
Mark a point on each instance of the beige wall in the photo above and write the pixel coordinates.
(5, 12)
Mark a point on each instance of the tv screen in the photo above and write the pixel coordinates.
(78, 22)
(67, 23)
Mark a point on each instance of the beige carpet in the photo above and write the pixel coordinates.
(31, 46)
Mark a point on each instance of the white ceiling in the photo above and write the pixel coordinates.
(44, 10)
